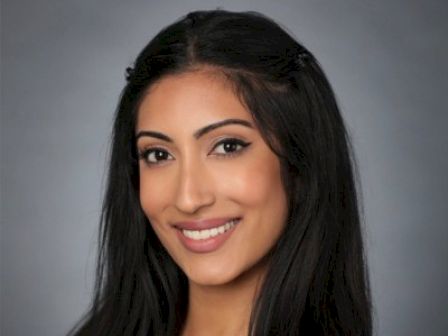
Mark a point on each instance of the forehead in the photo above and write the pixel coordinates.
(191, 99)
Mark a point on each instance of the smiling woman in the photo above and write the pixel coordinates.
(231, 207)
(209, 184)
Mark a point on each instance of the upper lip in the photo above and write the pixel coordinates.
(203, 224)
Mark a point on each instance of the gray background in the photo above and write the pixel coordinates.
(62, 68)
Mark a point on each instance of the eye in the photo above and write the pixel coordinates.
(155, 156)
(229, 147)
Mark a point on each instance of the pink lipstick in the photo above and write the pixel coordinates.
(205, 236)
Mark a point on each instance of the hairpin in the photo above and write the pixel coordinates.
(129, 73)
(302, 58)
(298, 57)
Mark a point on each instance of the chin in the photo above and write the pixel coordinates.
(212, 276)
(220, 275)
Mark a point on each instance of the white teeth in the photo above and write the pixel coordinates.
(205, 234)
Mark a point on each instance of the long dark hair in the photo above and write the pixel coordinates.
(316, 282)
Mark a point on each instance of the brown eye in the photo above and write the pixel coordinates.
(155, 155)
(229, 146)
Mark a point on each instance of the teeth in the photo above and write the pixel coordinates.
(205, 234)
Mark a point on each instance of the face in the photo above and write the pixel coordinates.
(209, 184)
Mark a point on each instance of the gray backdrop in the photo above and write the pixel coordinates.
(62, 68)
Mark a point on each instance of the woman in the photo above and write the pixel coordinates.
(231, 206)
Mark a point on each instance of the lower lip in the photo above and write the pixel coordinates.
(205, 245)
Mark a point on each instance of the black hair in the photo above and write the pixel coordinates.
(316, 283)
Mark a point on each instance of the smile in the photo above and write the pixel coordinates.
(209, 233)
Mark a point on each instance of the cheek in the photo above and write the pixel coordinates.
(254, 182)
(154, 198)
(153, 193)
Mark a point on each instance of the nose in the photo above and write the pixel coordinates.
(194, 188)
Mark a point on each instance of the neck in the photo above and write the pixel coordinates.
(223, 309)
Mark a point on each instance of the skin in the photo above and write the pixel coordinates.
(195, 178)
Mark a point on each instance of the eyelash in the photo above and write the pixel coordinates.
(143, 155)
(243, 145)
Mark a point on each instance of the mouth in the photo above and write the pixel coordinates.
(212, 232)
(206, 236)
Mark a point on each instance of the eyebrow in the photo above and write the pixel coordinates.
(200, 132)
